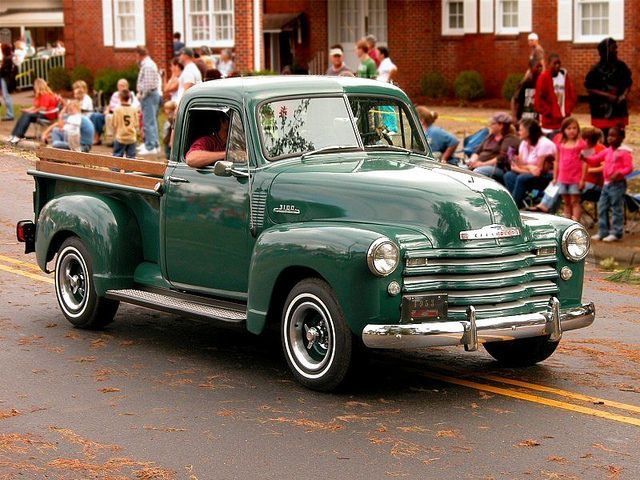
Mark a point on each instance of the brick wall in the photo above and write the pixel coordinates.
(417, 46)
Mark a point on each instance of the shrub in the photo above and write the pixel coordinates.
(434, 85)
(59, 79)
(82, 73)
(510, 85)
(256, 73)
(469, 86)
(107, 79)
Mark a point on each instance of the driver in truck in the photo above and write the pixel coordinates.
(209, 149)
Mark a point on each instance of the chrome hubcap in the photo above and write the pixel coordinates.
(309, 336)
(72, 276)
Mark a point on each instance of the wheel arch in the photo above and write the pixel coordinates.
(106, 227)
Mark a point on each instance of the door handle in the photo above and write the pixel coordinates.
(173, 179)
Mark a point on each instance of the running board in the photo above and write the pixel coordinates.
(182, 304)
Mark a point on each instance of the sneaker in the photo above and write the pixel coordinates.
(597, 237)
(144, 151)
(7, 119)
(611, 238)
(14, 140)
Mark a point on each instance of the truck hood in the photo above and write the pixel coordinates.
(436, 200)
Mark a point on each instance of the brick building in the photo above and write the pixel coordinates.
(446, 36)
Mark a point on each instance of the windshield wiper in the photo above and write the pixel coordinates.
(395, 148)
(329, 149)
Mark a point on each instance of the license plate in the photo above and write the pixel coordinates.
(424, 308)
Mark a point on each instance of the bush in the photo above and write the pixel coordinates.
(434, 85)
(256, 73)
(82, 73)
(107, 79)
(469, 86)
(59, 79)
(510, 85)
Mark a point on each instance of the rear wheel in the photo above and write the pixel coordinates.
(75, 289)
(316, 340)
(522, 353)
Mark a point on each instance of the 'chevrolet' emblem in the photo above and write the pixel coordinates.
(490, 231)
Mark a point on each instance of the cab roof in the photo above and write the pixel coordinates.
(263, 87)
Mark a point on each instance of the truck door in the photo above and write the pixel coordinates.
(206, 225)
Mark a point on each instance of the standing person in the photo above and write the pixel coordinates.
(523, 100)
(170, 88)
(374, 52)
(336, 57)
(618, 163)
(387, 69)
(45, 105)
(207, 58)
(102, 120)
(493, 156)
(125, 125)
(8, 72)
(592, 179)
(169, 109)
(225, 64)
(608, 83)
(443, 144)
(567, 169)
(177, 44)
(555, 95)
(148, 81)
(367, 67)
(190, 74)
(536, 52)
(532, 165)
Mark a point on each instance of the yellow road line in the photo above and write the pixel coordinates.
(533, 398)
(464, 119)
(562, 393)
(33, 276)
(15, 261)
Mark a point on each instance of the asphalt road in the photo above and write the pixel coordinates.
(156, 396)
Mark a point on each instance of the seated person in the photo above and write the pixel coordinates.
(443, 144)
(209, 149)
(493, 157)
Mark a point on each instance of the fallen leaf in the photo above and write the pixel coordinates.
(109, 389)
(529, 443)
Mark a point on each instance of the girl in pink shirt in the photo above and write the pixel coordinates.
(567, 169)
(618, 163)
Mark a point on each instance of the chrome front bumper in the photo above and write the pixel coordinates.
(471, 332)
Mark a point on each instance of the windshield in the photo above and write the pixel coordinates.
(386, 122)
(299, 125)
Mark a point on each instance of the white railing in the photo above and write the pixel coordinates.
(318, 64)
(36, 67)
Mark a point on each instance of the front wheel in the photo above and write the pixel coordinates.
(75, 290)
(522, 353)
(316, 340)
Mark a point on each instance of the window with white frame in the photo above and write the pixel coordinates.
(209, 22)
(123, 23)
(456, 15)
(590, 21)
(508, 14)
(593, 18)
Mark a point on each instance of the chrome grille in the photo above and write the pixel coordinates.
(495, 283)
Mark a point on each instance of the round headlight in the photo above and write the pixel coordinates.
(575, 243)
(383, 257)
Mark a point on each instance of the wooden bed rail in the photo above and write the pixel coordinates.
(92, 166)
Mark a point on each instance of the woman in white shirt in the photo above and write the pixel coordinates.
(80, 90)
(387, 69)
(534, 163)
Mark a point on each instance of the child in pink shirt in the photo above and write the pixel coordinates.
(618, 163)
(567, 169)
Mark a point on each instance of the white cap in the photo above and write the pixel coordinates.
(335, 51)
(533, 36)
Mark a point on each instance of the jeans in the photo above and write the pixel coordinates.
(22, 125)
(122, 150)
(98, 120)
(612, 197)
(519, 184)
(150, 104)
(7, 98)
(491, 171)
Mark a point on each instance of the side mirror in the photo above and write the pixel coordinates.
(223, 168)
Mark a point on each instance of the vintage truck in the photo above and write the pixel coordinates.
(328, 219)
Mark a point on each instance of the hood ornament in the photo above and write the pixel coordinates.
(490, 231)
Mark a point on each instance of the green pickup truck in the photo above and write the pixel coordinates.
(327, 218)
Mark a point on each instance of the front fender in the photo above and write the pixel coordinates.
(335, 252)
(106, 227)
